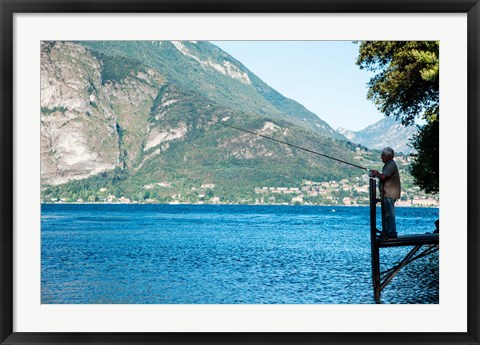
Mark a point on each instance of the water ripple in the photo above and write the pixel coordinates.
(171, 254)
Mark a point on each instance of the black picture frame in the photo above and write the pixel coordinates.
(10, 7)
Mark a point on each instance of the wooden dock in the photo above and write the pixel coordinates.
(423, 245)
(409, 240)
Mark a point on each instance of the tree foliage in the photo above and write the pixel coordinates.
(425, 168)
(406, 86)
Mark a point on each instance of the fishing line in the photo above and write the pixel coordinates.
(292, 145)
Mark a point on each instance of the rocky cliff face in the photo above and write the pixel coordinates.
(78, 128)
(87, 126)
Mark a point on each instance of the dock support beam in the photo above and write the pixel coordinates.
(373, 241)
(397, 269)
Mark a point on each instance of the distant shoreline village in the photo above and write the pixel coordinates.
(220, 204)
(347, 192)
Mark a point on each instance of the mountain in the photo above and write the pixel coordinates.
(141, 119)
(214, 74)
(386, 132)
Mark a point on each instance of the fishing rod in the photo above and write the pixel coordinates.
(292, 145)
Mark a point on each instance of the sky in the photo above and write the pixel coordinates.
(320, 75)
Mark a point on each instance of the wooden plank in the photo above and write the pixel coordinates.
(409, 240)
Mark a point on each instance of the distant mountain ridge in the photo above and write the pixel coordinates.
(383, 133)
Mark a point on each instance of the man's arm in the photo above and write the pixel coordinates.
(381, 176)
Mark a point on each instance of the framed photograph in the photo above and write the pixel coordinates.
(239, 172)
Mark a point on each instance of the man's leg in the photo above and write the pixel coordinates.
(390, 224)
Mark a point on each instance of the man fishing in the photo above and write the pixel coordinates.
(390, 188)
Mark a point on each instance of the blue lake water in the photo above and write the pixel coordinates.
(216, 254)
